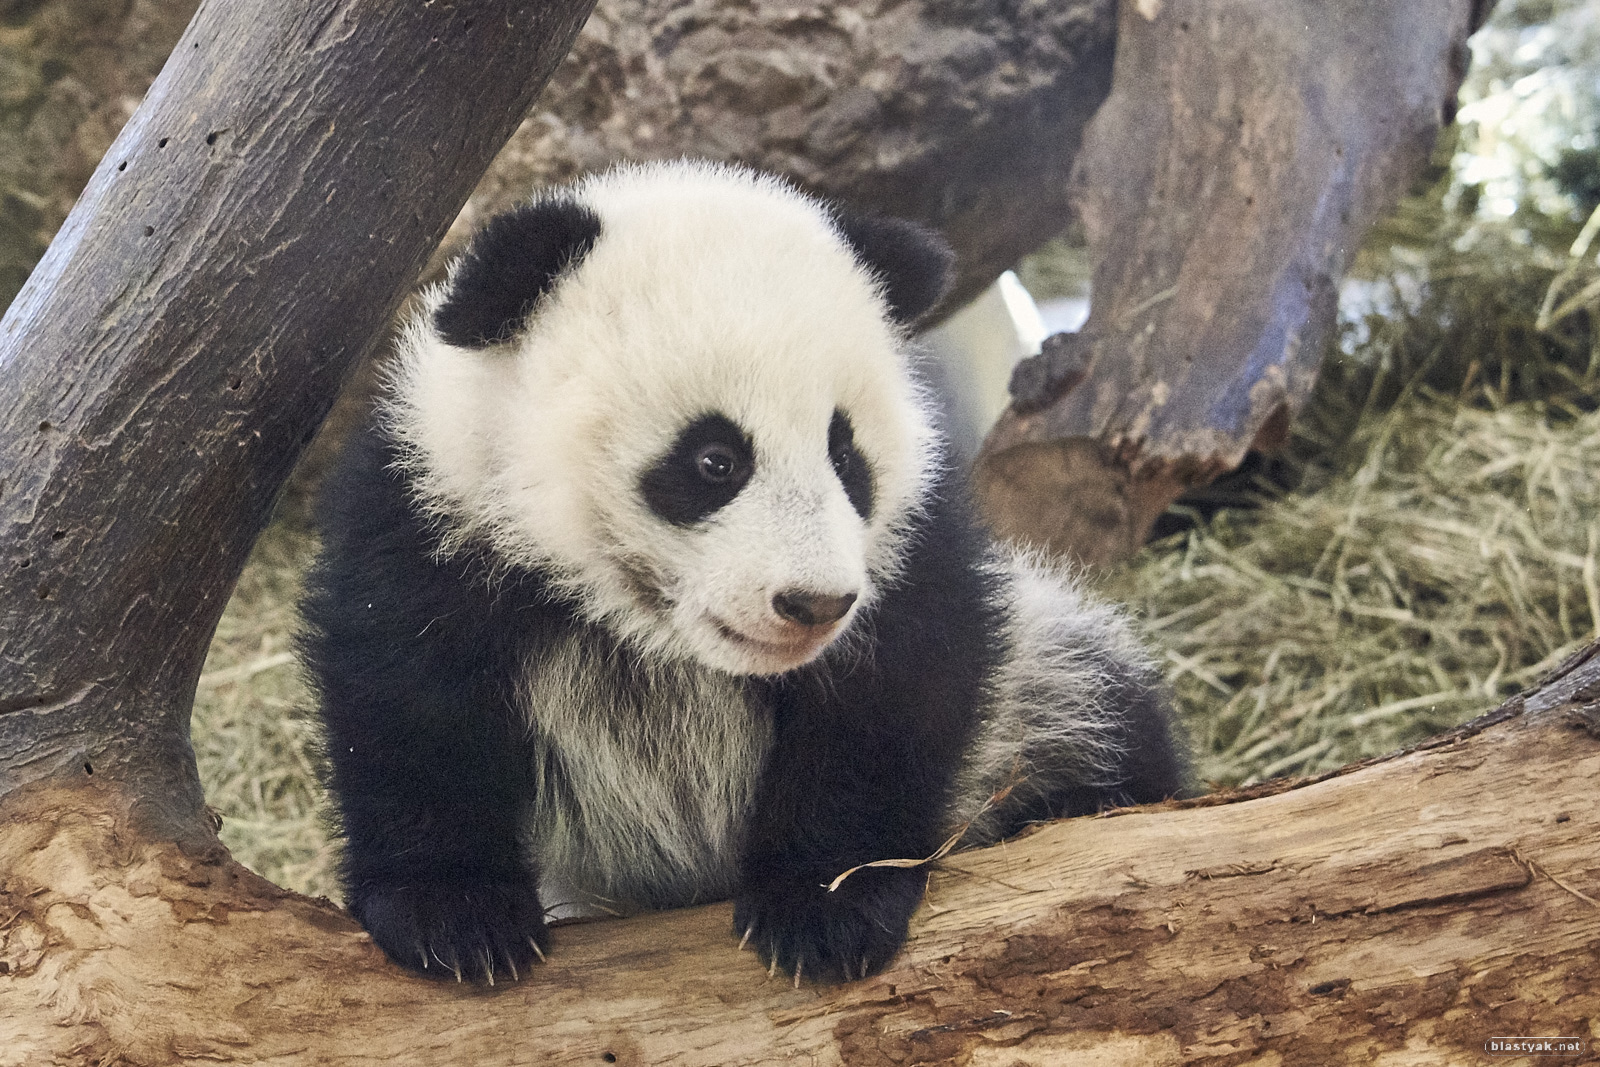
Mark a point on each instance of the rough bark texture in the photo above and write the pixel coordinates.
(1247, 147)
(964, 115)
(71, 72)
(247, 236)
(1401, 912)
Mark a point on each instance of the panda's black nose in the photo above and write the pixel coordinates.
(811, 609)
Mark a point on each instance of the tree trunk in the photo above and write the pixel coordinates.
(1246, 148)
(1405, 910)
(251, 230)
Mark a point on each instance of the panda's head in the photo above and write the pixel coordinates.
(684, 391)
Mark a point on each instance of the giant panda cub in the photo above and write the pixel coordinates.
(649, 580)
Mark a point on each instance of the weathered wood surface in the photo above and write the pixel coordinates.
(248, 235)
(966, 116)
(71, 72)
(1246, 148)
(1400, 912)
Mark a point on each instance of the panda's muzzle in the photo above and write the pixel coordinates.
(812, 609)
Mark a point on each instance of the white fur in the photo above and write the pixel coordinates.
(709, 289)
(643, 780)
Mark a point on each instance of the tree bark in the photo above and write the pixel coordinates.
(1246, 149)
(251, 230)
(71, 72)
(1404, 911)
(965, 116)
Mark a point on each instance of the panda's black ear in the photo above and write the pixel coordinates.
(914, 263)
(508, 266)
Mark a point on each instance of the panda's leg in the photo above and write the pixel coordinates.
(413, 659)
(431, 799)
(841, 788)
(1145, 754)
(866, 751)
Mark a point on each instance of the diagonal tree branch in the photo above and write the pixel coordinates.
(245, 239)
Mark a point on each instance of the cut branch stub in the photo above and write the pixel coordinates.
(246, 238)
(1225, 185)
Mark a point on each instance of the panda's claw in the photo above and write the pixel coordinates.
(471, 932)
(825, 937)
(745, 940)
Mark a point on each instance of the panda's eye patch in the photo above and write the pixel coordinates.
(849, 465)
(716, 463)
(706, 467)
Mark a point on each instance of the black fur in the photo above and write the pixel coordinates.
(849, 464)
(913, 263)
(510, 264)
(707, 465)
(415, 660)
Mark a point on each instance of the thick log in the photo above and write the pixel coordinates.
(1403, 911)
(1246, 148)
(248, 235)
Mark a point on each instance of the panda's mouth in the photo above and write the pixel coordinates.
(801, 649)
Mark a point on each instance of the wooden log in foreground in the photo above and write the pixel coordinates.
(1402, 911)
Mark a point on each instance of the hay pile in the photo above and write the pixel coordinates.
(1458, 560)
(1440, 548)
(254, 729)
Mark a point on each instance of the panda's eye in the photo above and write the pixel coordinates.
(716, 463)
(709, 463)
(849, 464)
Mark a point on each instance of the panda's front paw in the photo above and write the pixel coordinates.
(800, 928)
(477, 932)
